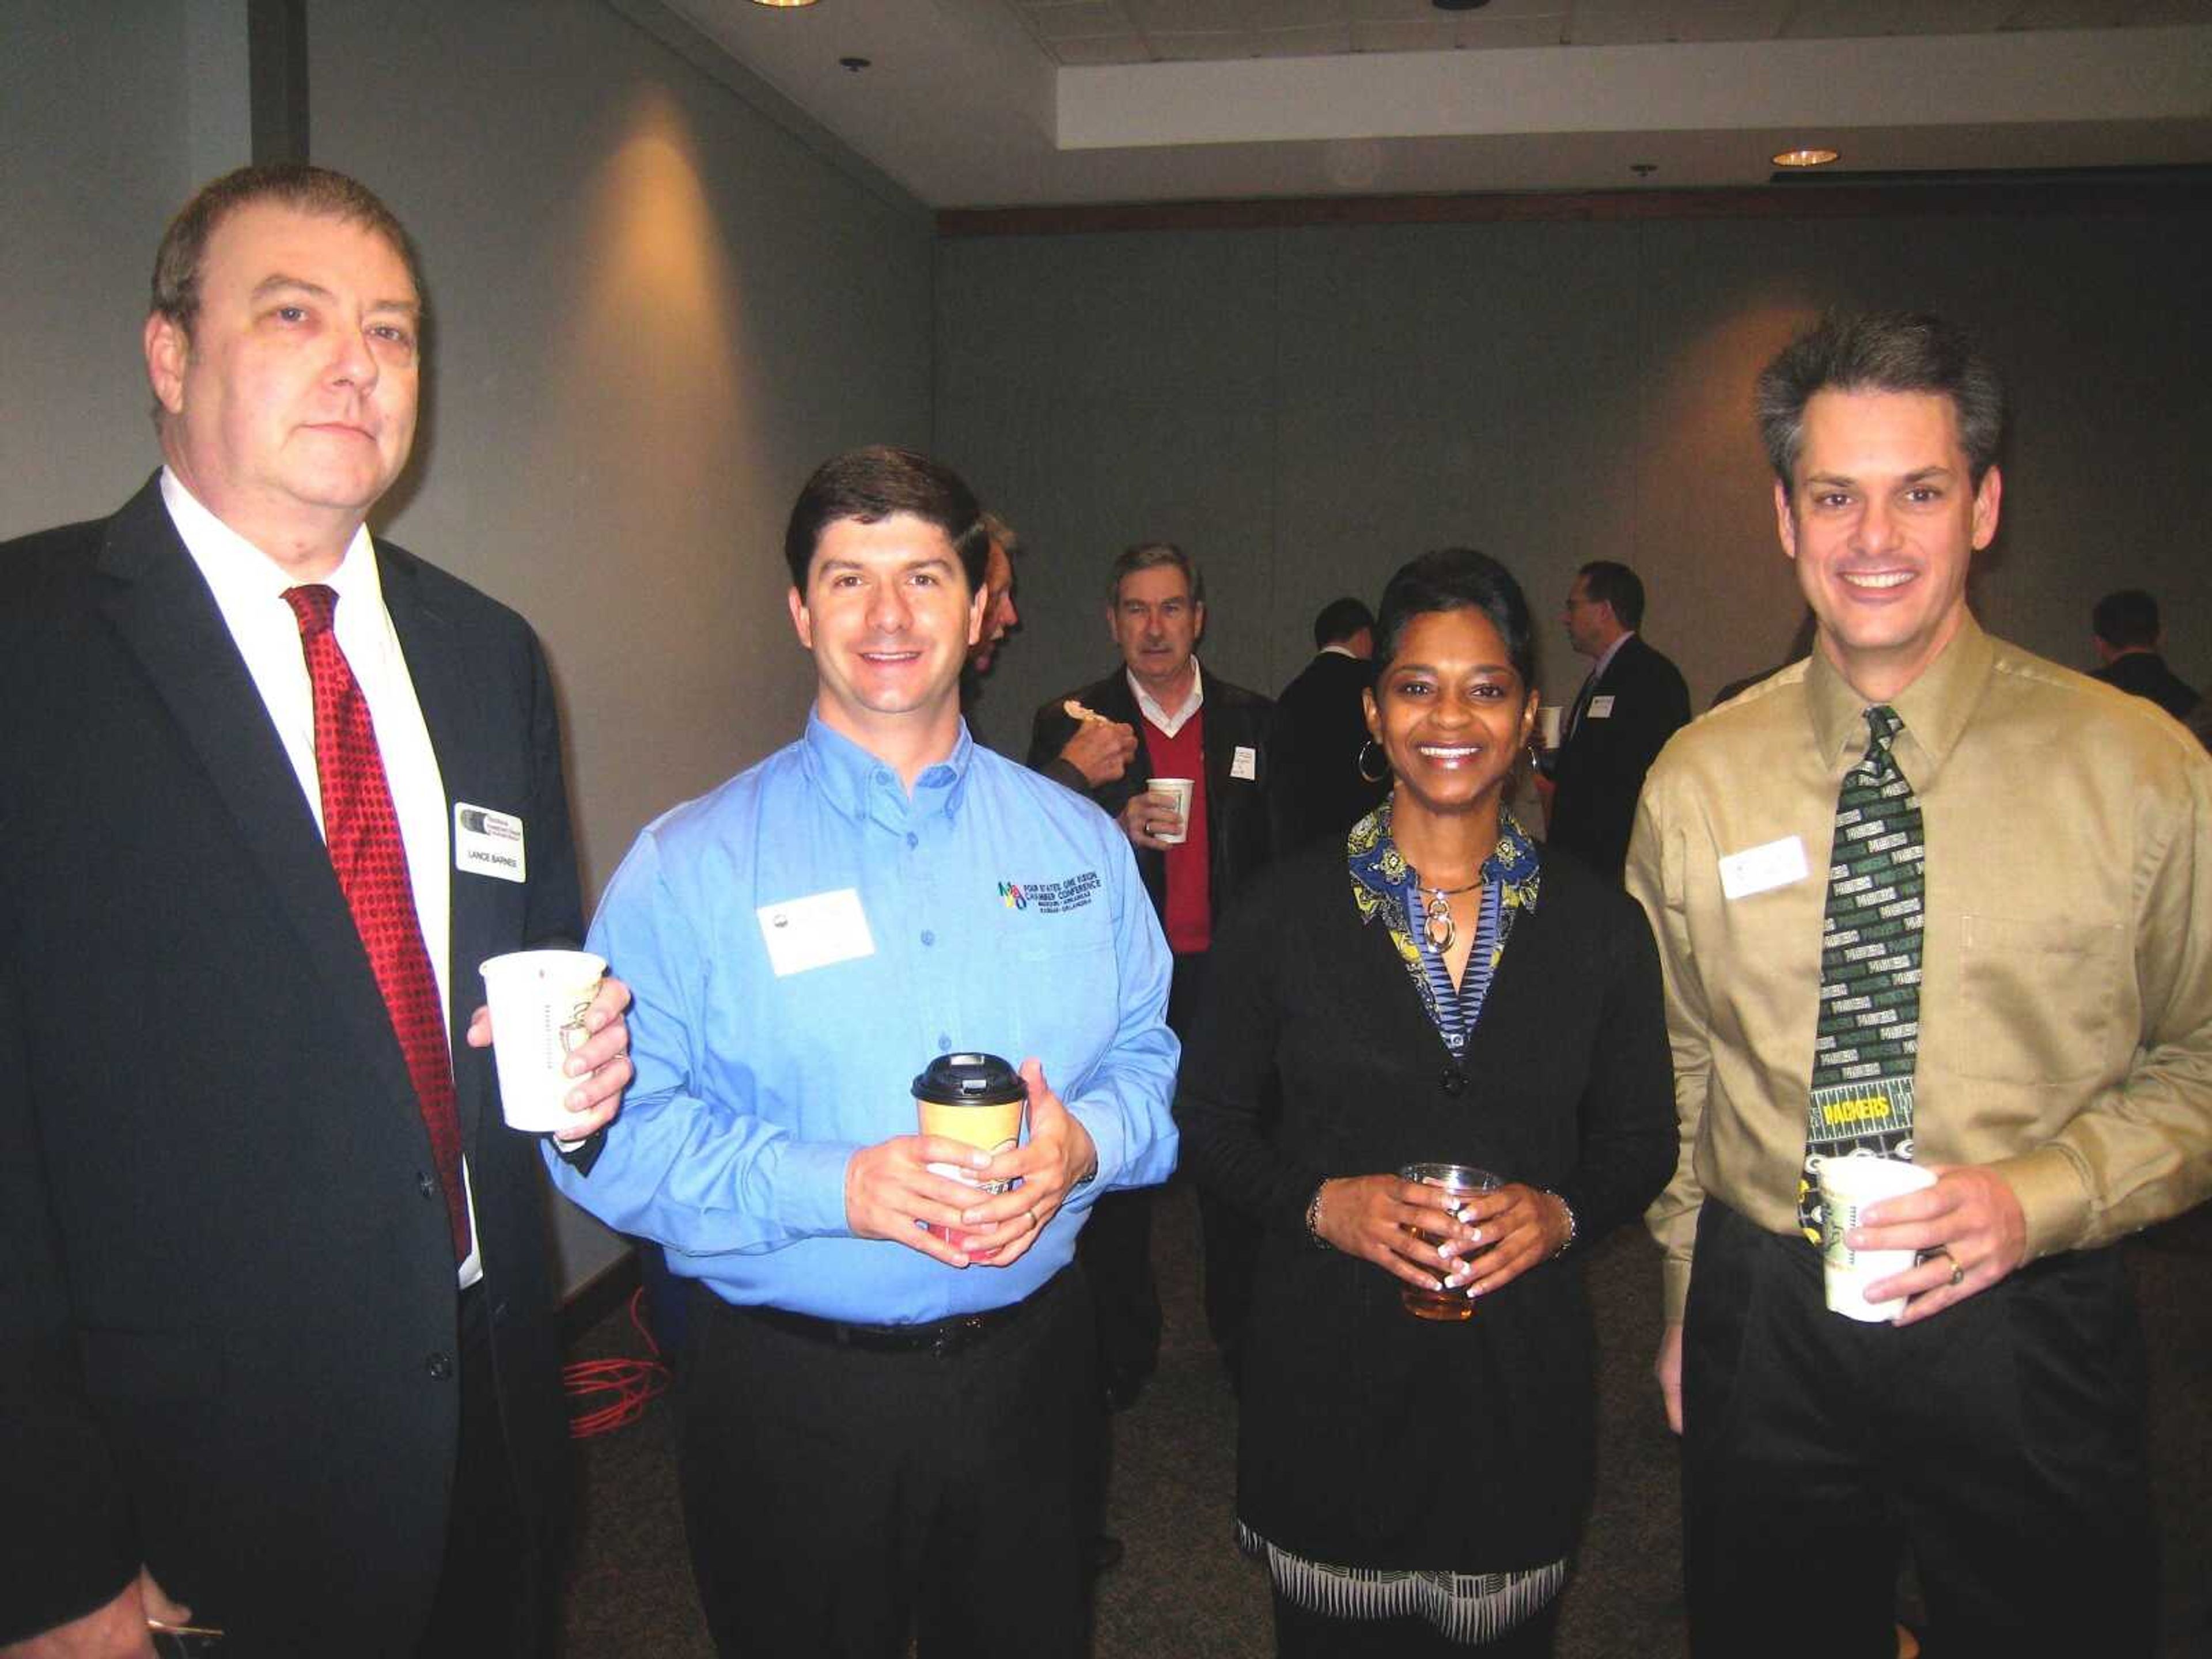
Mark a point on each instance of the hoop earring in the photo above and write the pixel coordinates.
(1381, 759)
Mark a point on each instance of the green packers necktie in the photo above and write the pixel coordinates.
(1870, 1025)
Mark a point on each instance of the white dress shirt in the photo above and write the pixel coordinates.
(1158, 716)
(249, 591)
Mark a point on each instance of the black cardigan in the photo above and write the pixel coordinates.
(1369, 1437)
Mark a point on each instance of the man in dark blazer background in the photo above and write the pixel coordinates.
(1632, 701)
(2129, 641)
(1320, 730)
(271, 1357)
(1161, 716)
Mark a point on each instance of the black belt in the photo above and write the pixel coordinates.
(941, 1339)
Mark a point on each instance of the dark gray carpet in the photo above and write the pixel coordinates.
(1184, 1590)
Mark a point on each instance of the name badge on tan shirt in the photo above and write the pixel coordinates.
(1763, 868)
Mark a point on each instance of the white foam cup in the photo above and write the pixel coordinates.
(1180, 788)
(537, 1002)
(1849, 1186)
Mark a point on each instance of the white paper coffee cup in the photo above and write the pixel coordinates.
(1180, 788)
(1849, 1186)
(537, 1000)
(1547, 725)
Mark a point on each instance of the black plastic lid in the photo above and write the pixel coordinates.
(970, 1080)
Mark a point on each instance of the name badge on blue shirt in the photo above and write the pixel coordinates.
(805, 934)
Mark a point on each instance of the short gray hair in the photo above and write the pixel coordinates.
(1881, 352)
(1149, 556)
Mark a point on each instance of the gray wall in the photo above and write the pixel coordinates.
(655, 311)
(93, 161)
(1306, 409)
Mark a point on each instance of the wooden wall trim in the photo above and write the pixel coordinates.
(2176, 189)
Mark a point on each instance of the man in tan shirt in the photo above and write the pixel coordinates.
(2062, 1087)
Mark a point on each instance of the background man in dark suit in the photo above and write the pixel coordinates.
(1320, 728)
(1633, 700)
(2124, 627)
(1183, 723)
(276, 1316)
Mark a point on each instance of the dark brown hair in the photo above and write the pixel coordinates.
(292, 184)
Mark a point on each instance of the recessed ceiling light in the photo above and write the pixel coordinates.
(1459, 5)
(783, 5)
(1805, 158)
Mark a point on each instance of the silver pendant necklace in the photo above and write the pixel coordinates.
(1436, 916)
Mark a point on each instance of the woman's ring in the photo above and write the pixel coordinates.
(1034, 1222)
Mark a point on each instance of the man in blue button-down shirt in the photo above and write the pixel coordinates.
(884, 1432)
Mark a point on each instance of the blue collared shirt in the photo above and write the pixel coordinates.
(1002, 912)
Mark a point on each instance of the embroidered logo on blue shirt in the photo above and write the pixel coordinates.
(1051, 898)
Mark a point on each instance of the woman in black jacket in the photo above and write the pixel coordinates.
(1432, 988)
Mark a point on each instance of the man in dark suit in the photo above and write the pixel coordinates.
(2125, 630)
(277, 1340)
(1164, 718)
(1321, 728)
(1632, 701)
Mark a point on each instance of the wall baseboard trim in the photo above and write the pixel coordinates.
(597, 1297)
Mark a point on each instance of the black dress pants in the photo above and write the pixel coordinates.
(2002, 1440)
(837, 1498)
(1116, 1247)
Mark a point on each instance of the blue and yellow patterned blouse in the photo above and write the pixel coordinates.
(1384, 885)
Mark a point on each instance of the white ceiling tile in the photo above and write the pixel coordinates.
(1707, 24)
(1946, 17)
(1188, 16)
(1341, 13)
(1083, 17)
(1764, 17)
(1519, 9)
(1416, 35)
(2068, 14)
(1385, 11)
(1089, 50)
(1319, 40)
(1202, 46)
(1592, 27)
(1486, 33)
(1839, 20)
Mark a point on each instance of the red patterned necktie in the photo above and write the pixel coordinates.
(362, 830)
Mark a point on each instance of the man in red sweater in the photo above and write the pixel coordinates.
(1191, 725)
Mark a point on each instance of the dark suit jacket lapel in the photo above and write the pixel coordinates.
(1113, 698)
(1222, 729)
(162, 609)
(439, 666)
